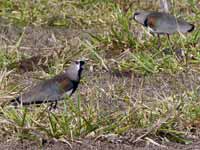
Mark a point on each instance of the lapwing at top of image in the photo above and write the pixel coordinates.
(54, 89)
(162, 23)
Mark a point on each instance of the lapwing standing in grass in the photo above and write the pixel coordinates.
(162, 23)
(54, 89)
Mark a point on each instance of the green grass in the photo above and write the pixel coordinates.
(117, 44)
(78, 120)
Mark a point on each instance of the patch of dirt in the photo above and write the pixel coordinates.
(36, 40)
(146, 89)
(33, 63)
(90, 144)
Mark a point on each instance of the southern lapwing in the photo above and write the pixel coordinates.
(162, 23)
(54, 89)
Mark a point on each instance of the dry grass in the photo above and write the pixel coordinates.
(129, 86)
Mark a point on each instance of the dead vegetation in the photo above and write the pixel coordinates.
(131, 92)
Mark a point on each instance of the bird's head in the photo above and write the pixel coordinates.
(75, 70)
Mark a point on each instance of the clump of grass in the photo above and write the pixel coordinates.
(146, 63)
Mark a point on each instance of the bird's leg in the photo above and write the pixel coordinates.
(53, 105)
(168, 37)
(170, 43)
(159, 42)
(50, 107)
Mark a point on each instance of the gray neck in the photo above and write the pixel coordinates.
(74, 73)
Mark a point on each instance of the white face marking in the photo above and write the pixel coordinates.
(74, 70)
(77, 66)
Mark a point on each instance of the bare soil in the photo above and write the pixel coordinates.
(90, 144)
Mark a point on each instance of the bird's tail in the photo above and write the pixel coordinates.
(184, 26)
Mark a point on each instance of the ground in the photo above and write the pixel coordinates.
(132, 94)
(89, 144)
